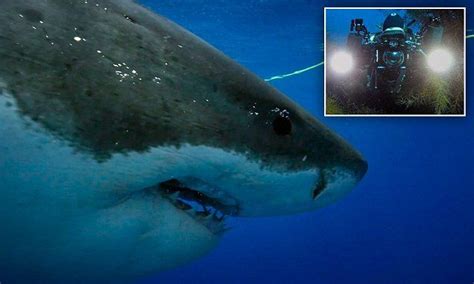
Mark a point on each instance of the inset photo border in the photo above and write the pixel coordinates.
(395, 61)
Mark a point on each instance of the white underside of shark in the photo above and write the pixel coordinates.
(69, 214)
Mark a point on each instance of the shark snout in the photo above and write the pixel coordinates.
(336, 182)
(339, 171)
(348, 158)
(351, 162)
(359, 168)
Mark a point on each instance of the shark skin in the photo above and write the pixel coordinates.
(126, 140)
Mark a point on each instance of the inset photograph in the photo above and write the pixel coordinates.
(395, 62)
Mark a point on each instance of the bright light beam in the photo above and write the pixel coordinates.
(341, 62)
(440, 60)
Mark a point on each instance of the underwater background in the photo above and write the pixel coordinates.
(411, 219)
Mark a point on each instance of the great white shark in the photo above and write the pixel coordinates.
(125, 140)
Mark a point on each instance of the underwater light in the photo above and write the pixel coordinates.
(341, 62)
(440, 60)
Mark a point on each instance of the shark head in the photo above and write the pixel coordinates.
(128, 141)
(263, 155)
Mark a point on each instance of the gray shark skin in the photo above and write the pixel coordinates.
(126, 139)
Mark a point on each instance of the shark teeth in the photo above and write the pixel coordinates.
(208, 211)
(182, 205)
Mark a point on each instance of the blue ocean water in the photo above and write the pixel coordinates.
(411, 220)
(337, 31)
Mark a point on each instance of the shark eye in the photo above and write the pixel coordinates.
(282, 126)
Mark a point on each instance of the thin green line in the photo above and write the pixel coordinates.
(297, 72)
(278, 77)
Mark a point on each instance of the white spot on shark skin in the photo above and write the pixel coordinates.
(78, 39)
(157, 80)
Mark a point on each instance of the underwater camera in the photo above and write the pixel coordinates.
(388, 56)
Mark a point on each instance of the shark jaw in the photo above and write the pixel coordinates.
(242, 195)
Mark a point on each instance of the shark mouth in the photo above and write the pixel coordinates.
(208, 207)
